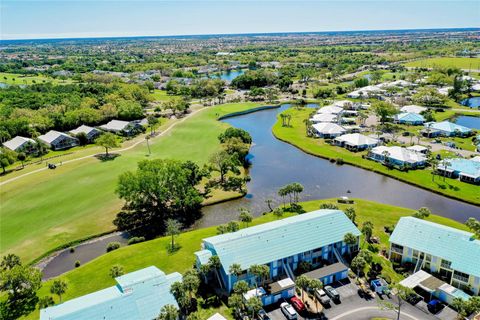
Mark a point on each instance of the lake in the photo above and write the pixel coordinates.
(230, 75)
(473, 102)
(469, 122)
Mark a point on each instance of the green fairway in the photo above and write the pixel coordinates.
(446, 62)
(423, 178)
(95, 274)
(42, 211)
(162, 96)
(18, 79)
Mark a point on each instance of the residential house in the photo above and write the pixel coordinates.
(58, 140)
(397, 156)
(355, 142)
(137, 295)
(467, 170)
(445, 128)
(330, 110)
(91, 133)
(418, 148)
(123, 127)
(324, 117)
(315, 238)
(449, 253)
(409, 118)
(21, 144)
(328, 130)
(413, 109)
(366, 92)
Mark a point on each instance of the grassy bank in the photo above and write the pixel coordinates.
(95, 274)
(446, 62)
(295, 134)
(42, 211)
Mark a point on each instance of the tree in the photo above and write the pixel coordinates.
(22, 157)
(147, 139)
(367, 230)
(434, 163)
(116, 271)
(241, 287)
(152, 121)
(302, 283)
(350, 213)
(177, 289)
(7, 157)
(9, 261)
(278, 213)
(315, 284)
(376, 76)
(168, 312)
(221, 229)
(358, 263)
(260, 272)
(45, 302)
(18, 287)
(245, 216)
(107, 140)
(422, 213)
(223, 163)
(468, 307)
(215, 264)
(235, 269)
(173, 229)
(233, 226)
(384, 111)
(474, 225)
(191, 282)
(235, 301)
(59, 287)
(400, 296)
(350, 239)
(254, 304)
(158, 190)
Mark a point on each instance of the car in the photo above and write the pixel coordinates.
(434, 306)
(322, 296)
(262, 315)
(332, 293)
(51, 166)
(297, 304)
(288, 311)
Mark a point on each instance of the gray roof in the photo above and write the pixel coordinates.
(115, 125)
(85, 129)
(17, 142)
(52, 135)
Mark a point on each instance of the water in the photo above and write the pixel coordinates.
(230, 75)
(275, 164)
(469, 122)
(65, 261)
(473, 102)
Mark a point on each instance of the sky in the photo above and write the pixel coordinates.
(20, 19)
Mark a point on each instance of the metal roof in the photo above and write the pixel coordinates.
(357, 139)
(280, 239)
(17, 142)
(53, 135)
(467, 167)
(457, 246)
(85, 129)
(326, 271)
(400, 153)
(447, 126)
(203, 256)
(138, 295)
(328, 128)
(410, 117)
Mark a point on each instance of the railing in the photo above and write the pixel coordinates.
(339, 256)
(460, 278)
(418, 265)
(446, 265)
(288, 270)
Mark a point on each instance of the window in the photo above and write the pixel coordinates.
(415, 253)
(446, 264)
(428, 258)
(397, 248)
(457, 275)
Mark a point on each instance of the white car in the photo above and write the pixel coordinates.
(288, 311)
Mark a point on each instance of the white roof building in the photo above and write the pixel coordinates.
(418, 148)
(342, 103)
(324, 117)
(413, 109)
(365, 92)
(356, 140)
(58, 140)
(326, 129)
(84, 129)
(444, 90)
(397, 83)
(332, 109)
(400, 154)
(18, 143)
(115, 125)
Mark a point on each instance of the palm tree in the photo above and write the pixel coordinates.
(147, 138)
(302, 283)
(245, 216)
(446, 164)
(215, 264)
(350, 239)
(434, 163)
(235, 269)
(315, 284)
(168, 312)
(254, 304)
(59, 287)
(367, 230)
(173, 229)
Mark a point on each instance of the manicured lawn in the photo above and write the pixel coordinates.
(446, 62)
(18, 79)
(44, 210)
(95, 274)
(162, 96)
(296, 136)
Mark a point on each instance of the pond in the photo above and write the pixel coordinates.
(230, 75)
(469, 122)
(473, 102)
(275, 164)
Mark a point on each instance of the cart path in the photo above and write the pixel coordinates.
(117, 151)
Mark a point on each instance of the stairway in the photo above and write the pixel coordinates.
(288, 270)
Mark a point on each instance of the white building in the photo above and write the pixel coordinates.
(397, 156)
(413, 109)
(356, 141)
(328, 130)
(58, 140)
(91, 133)
(21, 144)
(324, 117)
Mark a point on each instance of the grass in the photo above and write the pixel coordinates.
(78, 200)
(95, 275)
(423, 178)
(18, 79)
(162, 96)
(446, 62)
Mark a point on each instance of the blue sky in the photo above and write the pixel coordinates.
(103, 18)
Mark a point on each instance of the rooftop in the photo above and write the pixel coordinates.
(280, 239)
(447, 126)
(329, 128)
(83, 128)
(409, 117)
(52, 135)
(16, 142)
(116, 125)
(413, 108)
(457, 246)
(400, 153)
(467, 167)
(357, 139)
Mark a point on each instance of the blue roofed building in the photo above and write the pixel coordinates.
(315, 238)
(445, 128)
(410, 118)
(450, 254)
(138, 295)
(467, 170)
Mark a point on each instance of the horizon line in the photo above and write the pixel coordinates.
(433, 29)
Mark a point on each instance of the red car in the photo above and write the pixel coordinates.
(297, 304)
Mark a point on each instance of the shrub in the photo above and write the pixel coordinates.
(72, 250)
(113, 246)
(339, 161)
(77, 263)
(134, 240)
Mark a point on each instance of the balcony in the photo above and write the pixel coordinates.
(460, 278)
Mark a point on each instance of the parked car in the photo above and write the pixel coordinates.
(297, 304)
(288, 311)
(262, 315)
(414, 298)
(332, 293)
(435, 306)
(322, 296)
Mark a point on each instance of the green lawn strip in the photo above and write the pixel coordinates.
(162, 96)
(44, 210)
(94, 275)
(422, 178)
(446, 62)
(19, 79)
